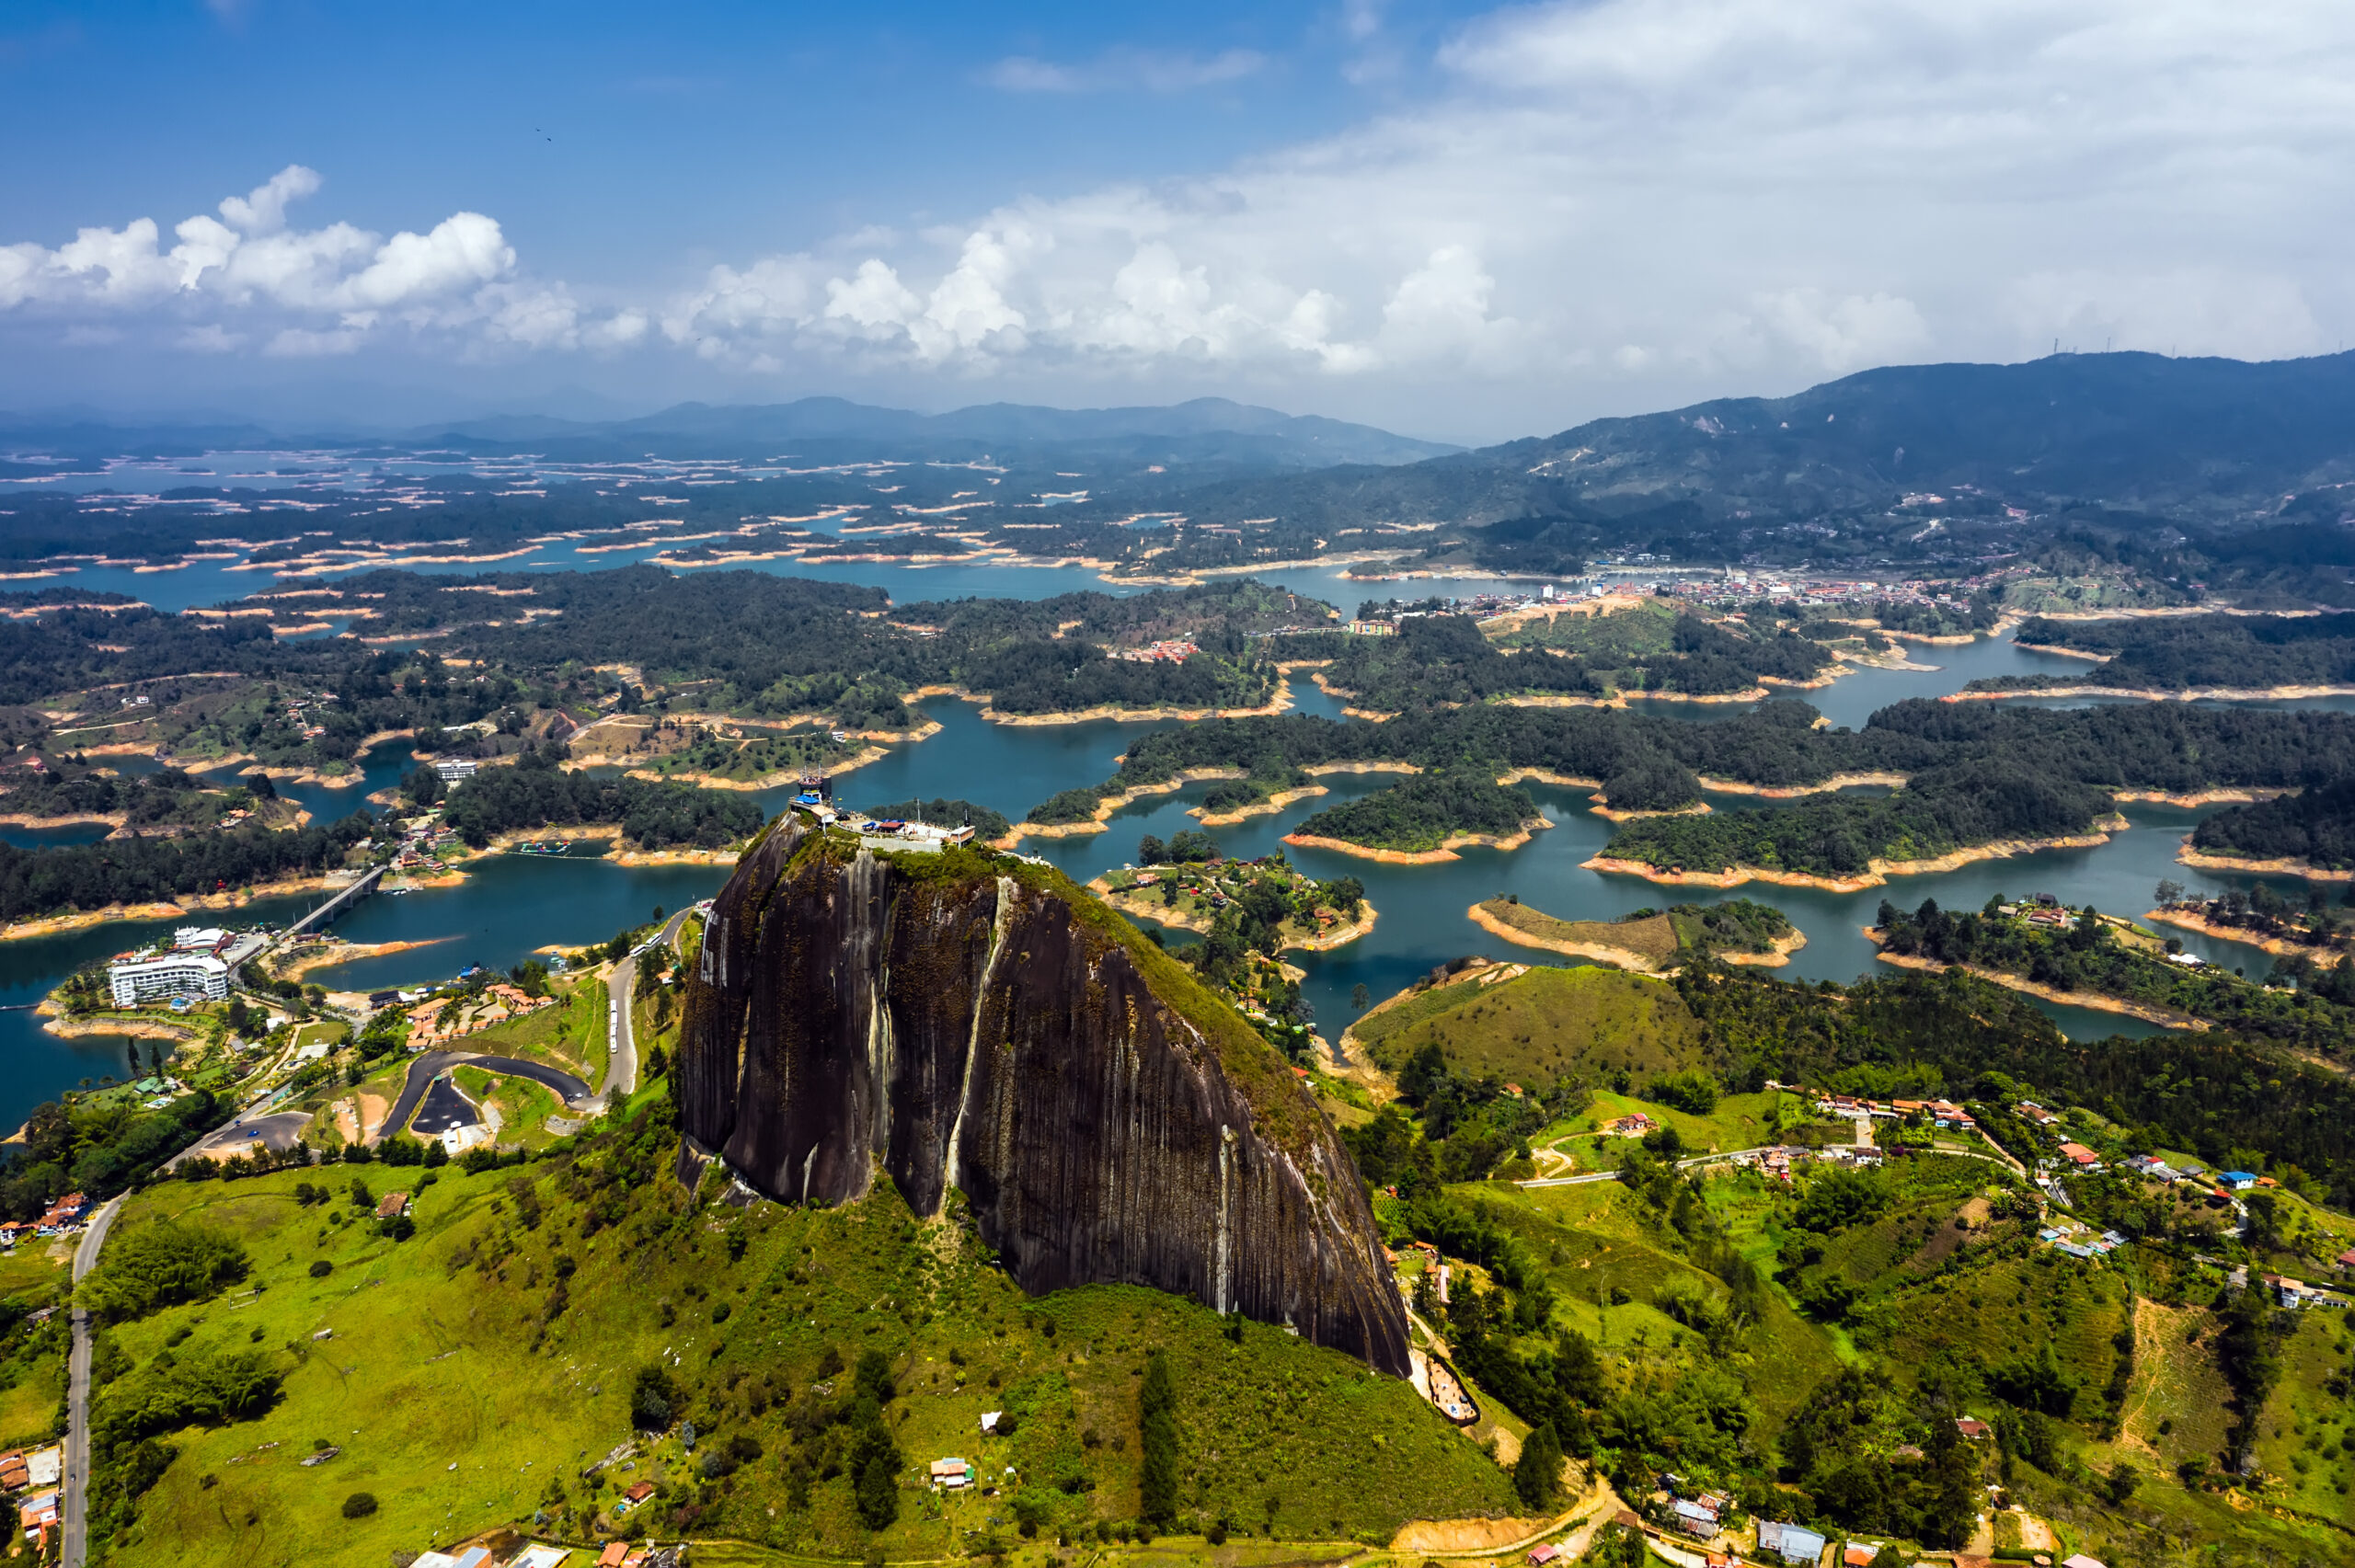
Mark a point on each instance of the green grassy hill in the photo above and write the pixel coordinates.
(1542, 1025)
(470, 1373)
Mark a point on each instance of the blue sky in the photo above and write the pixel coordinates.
(1459, 221)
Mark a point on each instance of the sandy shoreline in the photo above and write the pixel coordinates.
(2188, 856)
(1778, 955)
(2190, 695)
(1112, 802)
(1795, 792)
(1445, 853)
(1878, 874)
(2094, 1001)
(777, 779)
(2276, 946)
(1137, 907)
(134, 1029)
(82, 920)
(335, 955)
(1266, 808)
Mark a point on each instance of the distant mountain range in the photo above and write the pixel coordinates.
(1207, 429)
(2200, 442)
(2206, 441)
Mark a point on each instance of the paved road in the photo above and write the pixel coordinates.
(1696, 1161)
(621, 984)
(2004, 1160)
(74, 1510)
(279, 1130)
(426, 1067)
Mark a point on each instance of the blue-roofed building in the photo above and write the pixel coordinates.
(1793, 1543)
(2239, 1180)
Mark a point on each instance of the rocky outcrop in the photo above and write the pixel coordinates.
(984, 1026)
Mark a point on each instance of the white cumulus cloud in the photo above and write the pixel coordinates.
(305, 292)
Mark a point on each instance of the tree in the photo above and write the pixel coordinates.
(1151, 850)
(875, 1471)
(1537, 1475)
(652, 1398)
(422, 786)
(1359, 998)
(1157, 1444)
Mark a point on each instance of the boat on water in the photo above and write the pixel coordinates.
(551, 846)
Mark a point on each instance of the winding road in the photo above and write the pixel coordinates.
(621, 984)
(426, 1067)
(73, 1513)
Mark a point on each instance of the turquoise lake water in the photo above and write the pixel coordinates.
(515, 904)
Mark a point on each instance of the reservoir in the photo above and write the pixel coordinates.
(512, 906)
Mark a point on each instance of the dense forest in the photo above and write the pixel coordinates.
(2315, 826)
(89, 876)
(2180, 653)
(1941, 810)
(506, 651)
(168, 799)
(535, 793)
(1446, 660)
(2091, 956)
(1646, 763)
(1421, 813)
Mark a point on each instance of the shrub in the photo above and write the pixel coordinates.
(163, 1264)
(359, 1505)
(321, 1269)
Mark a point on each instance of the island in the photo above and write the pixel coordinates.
(1424, 819)
(1942, 818)
(2309, 834)
(2084, 958)
(1644, 762)
(1651, 942)
(2209, 654)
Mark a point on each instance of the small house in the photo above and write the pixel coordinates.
(988, 1420)
(615, 1551)
(1695, 1519)
(2082, 1561)
(1544, 1554)
(1794, 1545)
(2346, 1258)
(1972, 1428)
(2079, 1155)
(1859, 1554)
(954, 1475)
(2237, 1181)
(393, 1206)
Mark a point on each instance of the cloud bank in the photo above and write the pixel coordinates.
(1603, 203)
(247, 280)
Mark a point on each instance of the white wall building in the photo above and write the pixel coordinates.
(174, 974)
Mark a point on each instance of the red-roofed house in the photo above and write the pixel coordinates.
(2080, 1154)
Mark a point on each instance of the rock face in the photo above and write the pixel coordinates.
(1105, 1119)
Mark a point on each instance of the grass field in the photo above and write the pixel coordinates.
(468, 1378)
(1543, 1024)
(571, 1035)
(1654, 937)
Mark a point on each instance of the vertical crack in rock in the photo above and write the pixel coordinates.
(949, 1172)
(851, 1020)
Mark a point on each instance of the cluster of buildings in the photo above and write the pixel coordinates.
(889, 834)
(65, 1218)
(445, 1018)
(195, 967)
(2080, 1241)
(32, 1479)
(1938, 1113)
(614, 1555)
(1174, 650)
